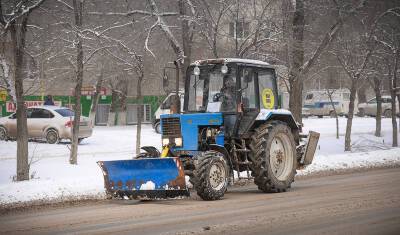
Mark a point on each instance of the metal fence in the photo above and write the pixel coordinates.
(102, 114)
(131, 113)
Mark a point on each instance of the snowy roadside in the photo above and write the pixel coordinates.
(54, 180)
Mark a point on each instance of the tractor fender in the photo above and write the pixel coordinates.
(282, 115)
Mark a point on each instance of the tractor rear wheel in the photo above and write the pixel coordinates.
(211, 176)
(274, 155)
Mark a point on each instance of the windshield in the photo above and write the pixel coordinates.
(212, 91)
(65, 112)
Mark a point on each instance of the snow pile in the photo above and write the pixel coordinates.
(149, 185)
(380, 158)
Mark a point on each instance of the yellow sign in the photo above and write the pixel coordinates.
(3, 95)
(268, 98)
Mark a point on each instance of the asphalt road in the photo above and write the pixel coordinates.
(358, 203)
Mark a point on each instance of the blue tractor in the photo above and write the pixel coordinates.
(231, 124)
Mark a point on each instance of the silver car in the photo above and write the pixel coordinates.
(369, 108)
(52, 123)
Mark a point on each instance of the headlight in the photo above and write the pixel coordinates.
(178, 142)
(165, 142)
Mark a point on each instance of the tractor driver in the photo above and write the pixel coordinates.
(228, 94)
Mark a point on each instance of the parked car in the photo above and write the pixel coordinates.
(52, 123)
(317, 103)
(165, 109)
(370, 107)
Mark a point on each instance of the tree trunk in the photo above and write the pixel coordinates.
(114, 107)
(361, 96)
(335, 113)
(392, 86)
(95, 99)
(394, 121)
(349, 124)
(78, 8)
(18, 30)
(297, 54)
(139, 114)
(186, 39)
(378, 95)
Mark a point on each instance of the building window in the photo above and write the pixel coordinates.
(239, 29)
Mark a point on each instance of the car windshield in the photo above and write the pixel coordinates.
(212, 90)
(65, 112)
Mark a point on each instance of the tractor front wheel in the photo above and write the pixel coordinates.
(274, 152)
(211, 176)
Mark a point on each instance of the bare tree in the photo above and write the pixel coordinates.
(212, 14)
(78, 15)
(96, 96)
(388, 38)
(375, 80)
(299, 68)
(14, 17)
(354, 67)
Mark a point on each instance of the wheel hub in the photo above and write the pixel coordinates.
(217, 176)
(280, 160)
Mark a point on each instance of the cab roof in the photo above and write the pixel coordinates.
(232, 60)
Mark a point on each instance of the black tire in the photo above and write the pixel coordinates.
(387, 113)
(3, 133)
(211, 176)
(52, 137)
(80, 140)
(157, 127)
(263, 170)
(361, 112)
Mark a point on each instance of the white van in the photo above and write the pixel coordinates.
(317, 103)
(164, 108)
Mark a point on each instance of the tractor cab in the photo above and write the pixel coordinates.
(231, 122)
(237, 88)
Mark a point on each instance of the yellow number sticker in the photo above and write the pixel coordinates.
(268, 98)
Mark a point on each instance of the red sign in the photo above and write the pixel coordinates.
(10, 107)
(90, 90)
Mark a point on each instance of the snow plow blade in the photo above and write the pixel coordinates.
(150, 178)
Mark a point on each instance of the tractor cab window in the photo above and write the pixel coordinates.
(212, 91)
(268, 92)
(248, 89)
(196, 87)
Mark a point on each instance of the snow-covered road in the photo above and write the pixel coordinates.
(55, 179)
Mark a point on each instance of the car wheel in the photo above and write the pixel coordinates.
(80, 140)
(3, 133)
(52, 137)
(387, 113)
(157, 127)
